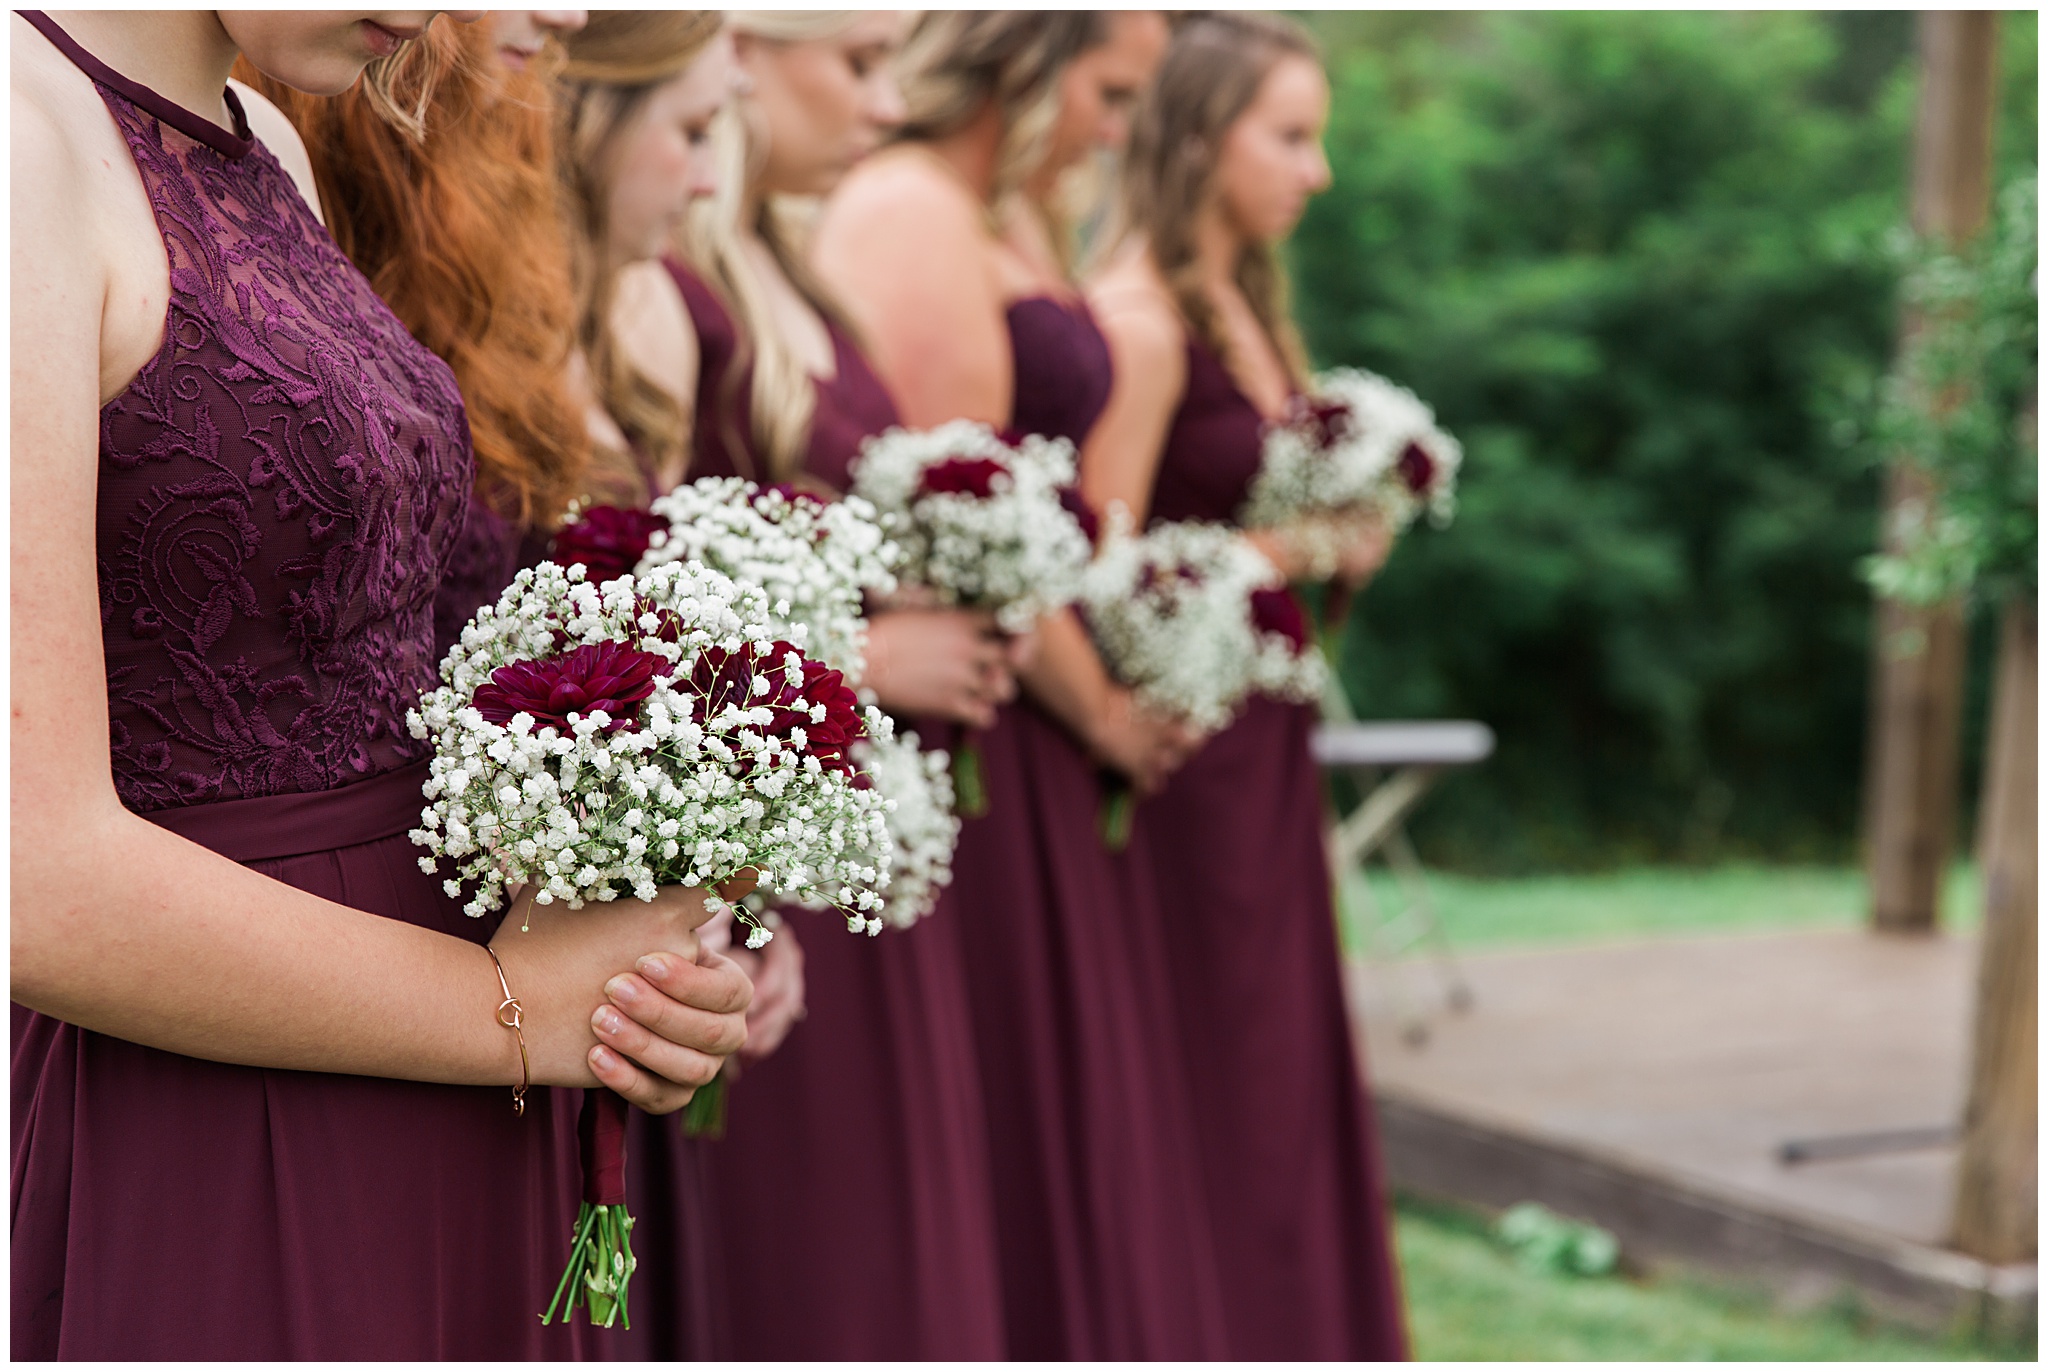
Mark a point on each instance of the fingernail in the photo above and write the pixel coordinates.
(621, 989)
(603, 1058)
(653, 968)
(608, 1020)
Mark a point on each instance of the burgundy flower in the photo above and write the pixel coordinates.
(607, 540)
(596, 676)
(1328, 422)
(975, 476)
(1084, 514)
(1276, 611)
(721, 678)
(1416, 468)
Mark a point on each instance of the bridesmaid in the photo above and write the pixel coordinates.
(441, 167)
(1224, 156)
(640, 92)
(259, 1101)
(942, 248)
(854, 1178)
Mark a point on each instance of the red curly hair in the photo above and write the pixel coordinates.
(437, 175)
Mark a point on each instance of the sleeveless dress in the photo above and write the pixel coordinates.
(279, 489)
(1088, 1118)
(855, 1203)
(1234, 844)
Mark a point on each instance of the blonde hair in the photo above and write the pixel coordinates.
(782, 398)
(956, 62)
(614, 63)
(1212, 73)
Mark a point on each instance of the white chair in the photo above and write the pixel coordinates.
(1396, 764)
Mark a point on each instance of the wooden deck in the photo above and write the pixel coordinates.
(1649, 1086)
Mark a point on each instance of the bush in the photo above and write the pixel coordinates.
(1635, 261)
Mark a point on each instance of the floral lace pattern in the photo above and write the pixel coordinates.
(280, 490)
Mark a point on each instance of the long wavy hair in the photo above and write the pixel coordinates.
(1212, 73)
(614, 63)
(782, 398)
(436, 172)
(957, 61)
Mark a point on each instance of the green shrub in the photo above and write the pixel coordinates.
(1635, 261)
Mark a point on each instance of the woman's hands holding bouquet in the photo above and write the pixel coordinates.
(941, 663)
(653, 1033)
(1348, 547)
(1143, 744)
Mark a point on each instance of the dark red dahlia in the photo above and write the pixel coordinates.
(597, 676)
(722, 677)
(1084, 514)
(1328, 422)
(607, 540)
(1276, 611)
(975, 476)
(1416, 468)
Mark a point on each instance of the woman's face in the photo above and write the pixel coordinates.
(519, 35)
(1271, 160)
(1099, 90)
(322, 52)
(663, 159)
(825, 103)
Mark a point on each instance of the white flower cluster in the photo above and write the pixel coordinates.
(1172, 612)
(814, 558)
(1346, 447)
(691, 790)
(922, 824)
(1010, 548)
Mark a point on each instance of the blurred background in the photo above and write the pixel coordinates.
(1647, 267)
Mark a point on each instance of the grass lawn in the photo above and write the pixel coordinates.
(1470, 1300)
(1649, 901)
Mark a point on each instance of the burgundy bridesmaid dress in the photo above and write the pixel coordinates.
(1234, 844)
(279, 491)
(855, 1205)
(1089, 1120)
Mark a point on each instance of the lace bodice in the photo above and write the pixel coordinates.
(280, 488)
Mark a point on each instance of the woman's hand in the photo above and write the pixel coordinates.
(1144, 746)
(655, 1033)
(1348, 548)
(777, 972)
(950, 664)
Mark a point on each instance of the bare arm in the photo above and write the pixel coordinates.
(907, 254)
(124, 928)
(1120, 460)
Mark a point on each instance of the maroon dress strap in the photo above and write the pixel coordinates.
(234, 145)
(256, 828)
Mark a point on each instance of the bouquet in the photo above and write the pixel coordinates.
(815, 558)
(1358, 442)
(598, 741)
(923, 829)
(984, 522)
(1194, 621)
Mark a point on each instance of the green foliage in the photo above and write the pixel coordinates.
(1951, 407)
(1633, 260)
(1546, 1241)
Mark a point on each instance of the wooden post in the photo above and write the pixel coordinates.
(1917, 690)
(1997, 1185)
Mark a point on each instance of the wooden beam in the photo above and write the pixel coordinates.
(1917, 690)
(1997, 1182)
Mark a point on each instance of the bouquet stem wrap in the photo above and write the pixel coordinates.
(601, 1259)
(1119, 809)
(970, 789)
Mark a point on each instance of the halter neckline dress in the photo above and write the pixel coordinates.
(279, 489)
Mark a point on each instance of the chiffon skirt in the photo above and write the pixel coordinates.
(167, 1207)
(1105, 1253)
(1290, 1159)
(856, 1207)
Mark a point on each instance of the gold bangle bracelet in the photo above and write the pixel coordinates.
(513, 1017)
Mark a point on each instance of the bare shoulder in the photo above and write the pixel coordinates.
(652, 325)
(899, 188)
(1137, 313)
(53, 107)
(276, 133)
